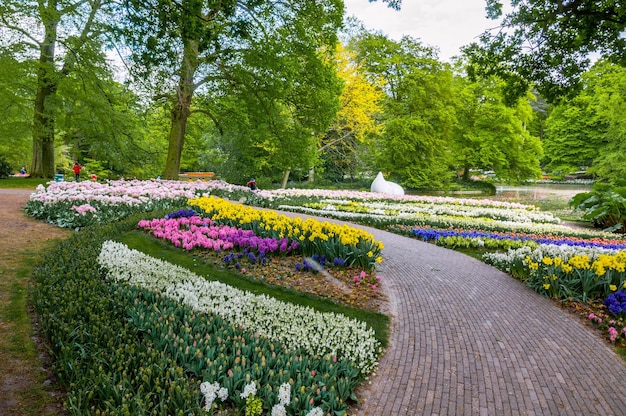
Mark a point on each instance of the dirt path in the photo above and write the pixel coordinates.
(24, 382)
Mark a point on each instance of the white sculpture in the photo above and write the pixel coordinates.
(380, 185)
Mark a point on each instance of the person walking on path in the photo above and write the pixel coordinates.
(76, 170)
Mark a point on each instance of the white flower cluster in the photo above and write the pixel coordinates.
(284, 397)
(248, 390)
(316, 411)
(450, 209)
(129, 192)
(466, 210)
(211, 391)
(565, 252)
(296, 326)
(446, 221)
(373, 196)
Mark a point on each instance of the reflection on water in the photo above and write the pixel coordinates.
(541, 191)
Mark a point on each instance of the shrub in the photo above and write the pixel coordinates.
(5, 168)
(604, 206)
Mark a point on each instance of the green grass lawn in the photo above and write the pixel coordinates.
(22, 183)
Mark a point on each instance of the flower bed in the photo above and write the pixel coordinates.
(78, 204)
(192, 232)
(491, 240)
(299, 329)
(299, 196)
(353, 246)
(122, 349)
(448, 208)
(104, 321)
(274, 261)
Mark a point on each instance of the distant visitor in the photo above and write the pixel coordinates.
(76, 170)
(251, 184)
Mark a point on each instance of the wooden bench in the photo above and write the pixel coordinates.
(200, 175)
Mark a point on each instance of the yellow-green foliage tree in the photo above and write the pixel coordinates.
(360, 103)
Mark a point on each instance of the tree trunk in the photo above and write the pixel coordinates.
(181, 109)
(466, 173)
(43, 119)
(283, 185)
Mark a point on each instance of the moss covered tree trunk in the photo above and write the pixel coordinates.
(181, 109)
(43, 119)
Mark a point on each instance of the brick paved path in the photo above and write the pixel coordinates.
(470, 340)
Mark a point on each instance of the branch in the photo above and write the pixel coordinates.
(253, 16)
(157, 97)
(72, 7)
(20, 30)
(83, 38)
(211, 116)
(329, 144)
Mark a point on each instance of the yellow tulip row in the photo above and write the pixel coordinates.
(311, 234)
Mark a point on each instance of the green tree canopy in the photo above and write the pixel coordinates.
(356, 121)
(549, 43)
(573, 136)
(493, 136)
(59, 33)
(17, 84)
(590, 130)
(274, 51)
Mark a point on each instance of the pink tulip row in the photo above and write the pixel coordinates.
(193, 232)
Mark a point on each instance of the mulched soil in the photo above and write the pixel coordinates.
(584, 310)
(337, 284)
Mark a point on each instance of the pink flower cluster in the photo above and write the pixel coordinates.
(200, 232)
(613, 333)
(83, 209)
(362, 277)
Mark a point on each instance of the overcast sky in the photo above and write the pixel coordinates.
(445, 24)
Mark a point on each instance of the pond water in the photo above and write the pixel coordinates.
(541, 191)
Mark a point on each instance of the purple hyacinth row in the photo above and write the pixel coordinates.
(195, 231)
(428, 234)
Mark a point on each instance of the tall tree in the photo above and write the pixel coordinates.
(549, 43)
(41, 26)
(419, 111)
(361, 102)
(493, 136)
(270, 124)
(573, 136)
(204, 44)
(102, 120)
(590, 130)
(17, 83)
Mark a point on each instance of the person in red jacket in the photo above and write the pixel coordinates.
(252, 184)
(76, 170)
